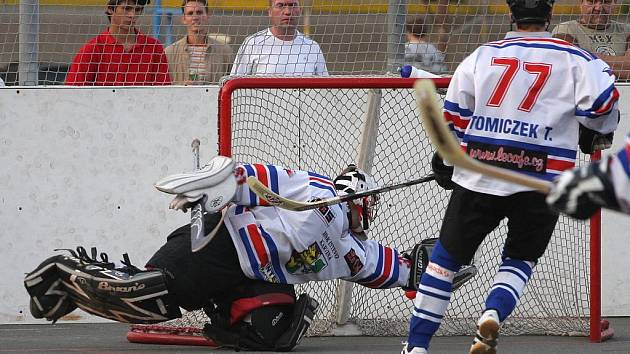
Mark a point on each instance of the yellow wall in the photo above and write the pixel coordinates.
(324, 6)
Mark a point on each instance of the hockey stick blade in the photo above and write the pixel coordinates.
(450, 150)
(198, 239)
(285, 203)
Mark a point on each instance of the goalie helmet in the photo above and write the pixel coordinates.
(361, 211)
(531, 11)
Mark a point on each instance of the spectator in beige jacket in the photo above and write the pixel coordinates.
(199, 58)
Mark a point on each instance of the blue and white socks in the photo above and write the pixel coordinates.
(432, 298)
(508, 286)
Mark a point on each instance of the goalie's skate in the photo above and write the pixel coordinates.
(487, 336)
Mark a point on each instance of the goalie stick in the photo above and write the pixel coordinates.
(197, 232)
(285, 203)
(450, 150)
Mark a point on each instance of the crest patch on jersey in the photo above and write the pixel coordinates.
(353, 261)
(325, 213)
(310, 260)
(513, 158)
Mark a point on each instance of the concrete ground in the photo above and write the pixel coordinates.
(110, 338)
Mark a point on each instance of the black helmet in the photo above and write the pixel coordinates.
(531, 11)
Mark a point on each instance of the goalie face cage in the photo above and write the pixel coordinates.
(319, 124)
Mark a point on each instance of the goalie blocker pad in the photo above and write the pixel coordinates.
(61, 283)
(420, 256)
(270, 320)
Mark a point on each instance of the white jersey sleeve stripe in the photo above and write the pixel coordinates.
(253, 262)
(602, 105)
(262, 254)
(273, 251)
(386, 270)
(455, 108)
(267, 174)
(319, 181)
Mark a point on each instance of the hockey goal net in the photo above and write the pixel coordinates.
(323, 124)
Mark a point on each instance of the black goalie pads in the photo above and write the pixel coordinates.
(63, 282)
(420, 256)
(269, 320)
(49, 300)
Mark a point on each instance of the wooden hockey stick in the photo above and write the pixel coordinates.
(197, 232)
(285, 203)
(449, 148)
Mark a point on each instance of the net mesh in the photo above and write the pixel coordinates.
(357, 37)
(320, 130)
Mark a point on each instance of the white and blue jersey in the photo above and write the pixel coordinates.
(517, 103)
(282, 246)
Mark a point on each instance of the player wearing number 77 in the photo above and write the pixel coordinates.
(516, 103)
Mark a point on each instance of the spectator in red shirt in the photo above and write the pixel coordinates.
(120, 55)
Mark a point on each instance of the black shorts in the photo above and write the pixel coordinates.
(471, 216)
(210, 273)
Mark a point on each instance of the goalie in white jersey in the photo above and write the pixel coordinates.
(248, 268)
(521, 103)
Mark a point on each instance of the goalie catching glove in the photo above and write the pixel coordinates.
(214, 185)
(581, 192)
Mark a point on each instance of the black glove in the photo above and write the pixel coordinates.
(591, 141)
(443, 174)
(579, 193)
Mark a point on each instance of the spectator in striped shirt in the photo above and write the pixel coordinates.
(198, 58)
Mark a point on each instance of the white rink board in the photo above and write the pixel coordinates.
(78, 167)
(616, 235)
(80, 163)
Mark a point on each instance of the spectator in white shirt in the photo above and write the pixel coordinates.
(281, 49)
